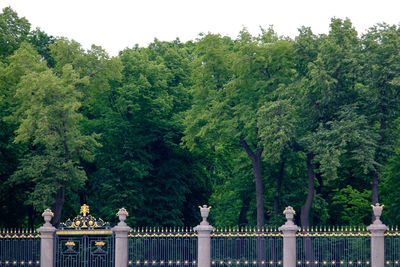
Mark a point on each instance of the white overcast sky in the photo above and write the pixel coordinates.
(116, 24)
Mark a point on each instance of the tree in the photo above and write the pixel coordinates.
(13, 31)
(232, 83)
(328, 99)
(48, 120)
(381, 71)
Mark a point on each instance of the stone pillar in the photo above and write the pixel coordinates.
(377, 229)
(204, 241)
(289, 230)
(121, 231)
(47, 240)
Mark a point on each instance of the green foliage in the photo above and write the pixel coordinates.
(351, 206)
(13, 31)
(48, 118)
(165, 128)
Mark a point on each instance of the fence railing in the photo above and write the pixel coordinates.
(392, 246)
(288, 246)
(341, 246)
(246, 246)
(162, 246)
(19, 247)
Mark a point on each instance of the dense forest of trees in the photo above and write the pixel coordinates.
(247, 125)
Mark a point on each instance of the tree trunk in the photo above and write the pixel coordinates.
(58, 205)
(378, 157)
(259, 189)
(243, 211)
(256, 162)
(306, 209)
(31, 217)
(318, 175)
(374, 192)
(279, 187)
(375, 182)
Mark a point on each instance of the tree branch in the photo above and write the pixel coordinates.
(246, 147)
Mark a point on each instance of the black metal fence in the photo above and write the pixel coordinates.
(19, 247)
(334, 246)
(317, 246)
(84, 249)
(162, 247)
(246, 247)
(392, 246)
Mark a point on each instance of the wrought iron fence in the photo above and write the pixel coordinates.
(246, 247)
(392, 246)
(334, 246)
(19, 247)
(162, 247)
(84, 241)
(84, 248)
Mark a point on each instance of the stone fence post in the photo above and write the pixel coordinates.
(289, 230)
(204, 241)
(47, 240)
(377, 229)
(121, 231)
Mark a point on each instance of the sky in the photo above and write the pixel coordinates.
(117, 24)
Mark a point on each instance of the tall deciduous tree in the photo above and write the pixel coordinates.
(232, 84)
(381, 72)
(48, 116)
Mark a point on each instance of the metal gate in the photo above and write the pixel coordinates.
(84, 242)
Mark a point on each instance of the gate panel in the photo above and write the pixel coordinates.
(84, 242)
(93, 249)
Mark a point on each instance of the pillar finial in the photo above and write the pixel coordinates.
(377, 210)
(47, 215)
(289, 214)
(204, 211)
(122, 214)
